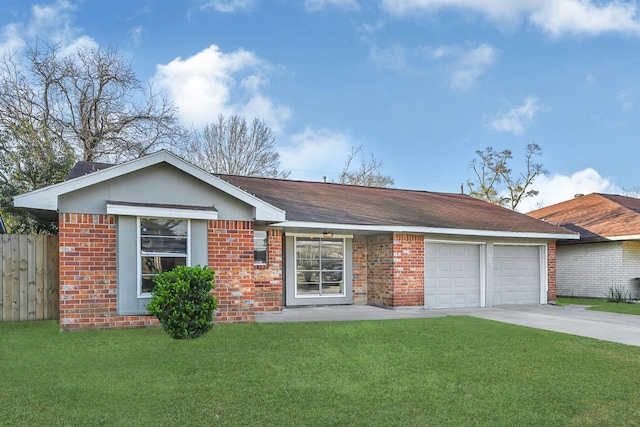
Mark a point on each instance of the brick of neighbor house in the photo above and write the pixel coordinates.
(88, 283)
(230, 247)
(268, 278)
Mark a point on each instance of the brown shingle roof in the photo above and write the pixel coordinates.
(83, 168)
(354, 205)
(596, 216)
(344, 204)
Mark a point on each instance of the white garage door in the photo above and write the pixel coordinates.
(452, 275)
(516, 275)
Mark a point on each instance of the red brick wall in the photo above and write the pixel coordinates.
(230, 246)
(268, 279)
(359, 265)
(380, 270)
(394, 270)
(551, 260)
(408, 270)
(88, 274)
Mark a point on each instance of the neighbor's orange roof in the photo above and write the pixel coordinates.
(595, 216)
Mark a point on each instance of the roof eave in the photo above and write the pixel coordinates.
(626, 237)
(428, 230)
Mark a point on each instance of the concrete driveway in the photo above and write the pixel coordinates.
(572, 319)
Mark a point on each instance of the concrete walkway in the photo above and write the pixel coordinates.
(572, 319)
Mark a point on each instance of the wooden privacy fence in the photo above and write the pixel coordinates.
(29, 277)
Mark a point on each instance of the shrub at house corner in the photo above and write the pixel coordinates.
(182, 301)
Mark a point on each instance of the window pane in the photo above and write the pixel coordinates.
(174, 245)
(163, 227)
(260, 247)
(147, 284)
(158, 264)
(332, 288)
(307, 254)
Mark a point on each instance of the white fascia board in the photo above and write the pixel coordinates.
(47, 198)
(159, 212)
(628, 237)
(426, 230)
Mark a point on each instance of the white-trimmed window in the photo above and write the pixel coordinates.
(260, 247)
(163, 245)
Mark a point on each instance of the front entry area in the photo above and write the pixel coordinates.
(318, 269)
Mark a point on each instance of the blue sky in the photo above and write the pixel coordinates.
(420, 84)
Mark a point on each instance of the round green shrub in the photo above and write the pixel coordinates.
(182, 301)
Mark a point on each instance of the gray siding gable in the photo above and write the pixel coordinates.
(160, 184)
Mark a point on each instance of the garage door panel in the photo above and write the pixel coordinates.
(452, 275)
(516, 275)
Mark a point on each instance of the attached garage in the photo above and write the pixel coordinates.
(517, 277)
(460, 275)
(452, 275)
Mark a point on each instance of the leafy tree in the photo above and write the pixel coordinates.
(492, 171)
(30, 158)
(366, 174)
(90, 98)
(231, 146)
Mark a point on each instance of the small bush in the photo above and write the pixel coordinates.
(182, 301)
(618, 294)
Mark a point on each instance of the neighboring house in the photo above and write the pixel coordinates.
(607, 255)
(278, 243)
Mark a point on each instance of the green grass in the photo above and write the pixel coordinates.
(602, 305)
(455, 371)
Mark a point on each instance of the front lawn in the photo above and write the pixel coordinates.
(453, 371)
(602, 305)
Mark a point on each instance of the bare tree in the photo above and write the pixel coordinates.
(231, 146)
(366, 174)
(492, 170)
(633, 191)
(90, 98)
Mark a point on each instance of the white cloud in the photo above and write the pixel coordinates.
(393, 57)
(558, 188)
(471, 65)
(495, 9)
(51, 23)
(136, 35)
(315, 153)
(316, 5)
(626, 99)
(556, 17)
(516, 119)
(228, 6)
(11, 41)
(371, 28)
(584, 17)
(213, 82)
